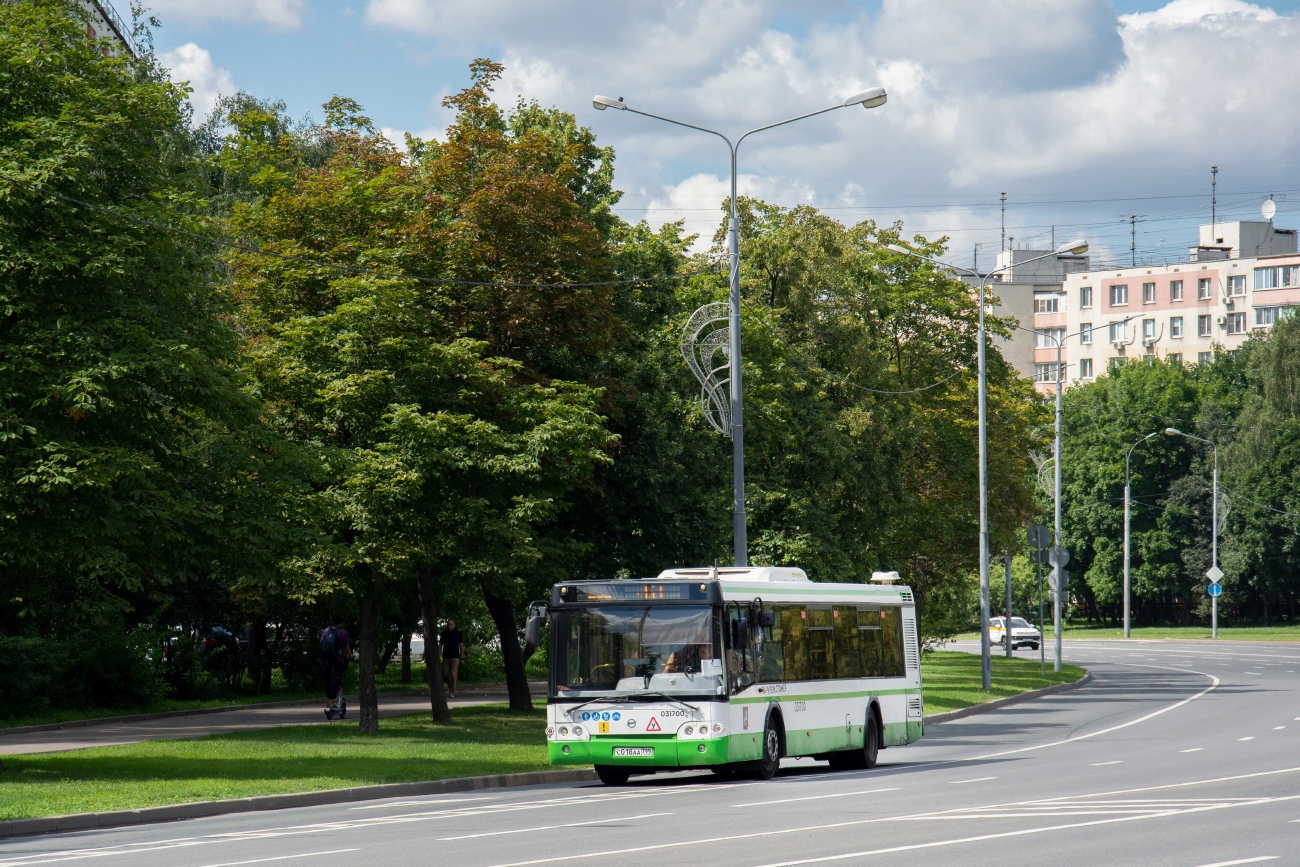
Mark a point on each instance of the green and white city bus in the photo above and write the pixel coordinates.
(729, 669)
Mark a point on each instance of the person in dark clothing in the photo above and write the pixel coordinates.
(453, 651)
(336, 650)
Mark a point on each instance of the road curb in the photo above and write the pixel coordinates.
(466, 691)
(1011, 699)
(203, 809)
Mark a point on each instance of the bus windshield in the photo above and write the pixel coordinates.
(626, 650)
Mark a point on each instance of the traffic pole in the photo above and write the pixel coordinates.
(1006, 557)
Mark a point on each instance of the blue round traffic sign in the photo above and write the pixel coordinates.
(1215, 589)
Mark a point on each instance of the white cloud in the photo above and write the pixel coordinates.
(192, 64)
(281, 14)
(1005, 94)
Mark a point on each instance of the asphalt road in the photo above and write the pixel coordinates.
(1180, 754)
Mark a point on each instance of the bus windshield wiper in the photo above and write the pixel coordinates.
(669, 698)
(572, 710)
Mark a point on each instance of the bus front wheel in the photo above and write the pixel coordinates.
(612, 776)
(766, 767)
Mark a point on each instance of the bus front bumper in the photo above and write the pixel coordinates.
(668, 752)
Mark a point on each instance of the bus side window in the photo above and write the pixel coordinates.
(869, 638)
(794, 632)
(740, 657)
(821, 643)
(848, 658)
(891, 645)
(773, 666)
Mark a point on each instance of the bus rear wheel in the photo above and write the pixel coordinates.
(870, 743)
(612, 776)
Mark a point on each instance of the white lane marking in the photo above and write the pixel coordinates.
(319, 828)
(421, 803)
(976, 780)
(1192, 750)
(281, 858)
(1256, 673)
(553, 827)
(1217, 804)
(1242, 861)
(1214, 685)
(1278, 728)
(1103, 764)
(937, 843)
(1247, 738)
(817, 797)
(929, 845)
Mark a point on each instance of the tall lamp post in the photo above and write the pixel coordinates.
(1127, 500)
(1076, 248)
(871, 98)
(1056, 465)
(1214, 529)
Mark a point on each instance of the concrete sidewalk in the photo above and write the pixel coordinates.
(216, 721)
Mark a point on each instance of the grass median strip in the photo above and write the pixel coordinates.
(952, 680)
(485, 739)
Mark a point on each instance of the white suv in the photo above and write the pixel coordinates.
(1023, 634)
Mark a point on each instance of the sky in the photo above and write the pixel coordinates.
(1083, 112)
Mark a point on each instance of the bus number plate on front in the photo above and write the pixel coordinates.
(635, 752)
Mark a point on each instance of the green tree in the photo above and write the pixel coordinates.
(130, 449)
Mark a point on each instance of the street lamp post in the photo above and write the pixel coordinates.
(1056, 468)
(1127, 586)
(1214, 528)
(871, 98)
(1076, 248)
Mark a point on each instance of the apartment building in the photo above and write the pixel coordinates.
(1016, 284)
(1240, 278)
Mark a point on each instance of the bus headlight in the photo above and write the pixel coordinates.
(688, 730)
(550, 731)
(577, 731)
(564, 731)
(717, 728)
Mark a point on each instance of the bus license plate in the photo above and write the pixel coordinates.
(635, 752)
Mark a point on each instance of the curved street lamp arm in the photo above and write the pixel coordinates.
(683, 123)
(784, 122)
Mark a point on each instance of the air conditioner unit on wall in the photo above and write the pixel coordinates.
(1118, 344)
(1223, 320)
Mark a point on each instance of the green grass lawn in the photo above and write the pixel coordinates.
(481, 740)
(1226, 633)
(952, 680)
(484, 739)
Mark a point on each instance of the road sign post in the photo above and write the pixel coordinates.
(1039, 538)
(1214, 574)
(1059, 557)
(1006, 632)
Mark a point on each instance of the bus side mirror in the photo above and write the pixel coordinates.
(767, 619)
(737, 632)
(533, 633)
(533, 627)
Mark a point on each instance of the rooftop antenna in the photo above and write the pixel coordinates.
(1133, 231)
(1214, 200)
(1004, 220)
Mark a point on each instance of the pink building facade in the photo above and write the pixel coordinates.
(1177, 312)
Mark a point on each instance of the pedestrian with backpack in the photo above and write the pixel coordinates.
(453, 653)
(336, 650)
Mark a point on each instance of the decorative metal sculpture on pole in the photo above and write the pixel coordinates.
(707, 352)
